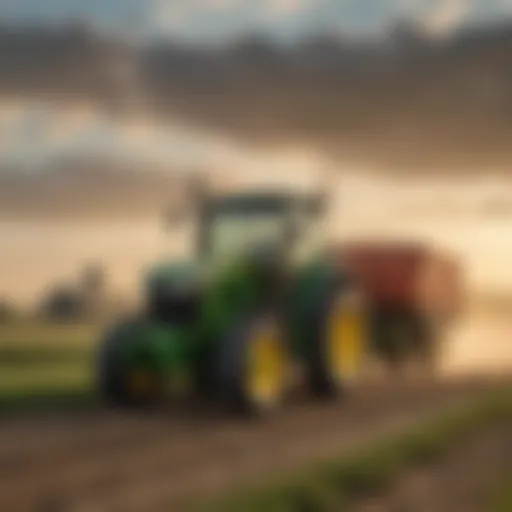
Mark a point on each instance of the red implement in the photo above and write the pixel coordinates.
(405, 275)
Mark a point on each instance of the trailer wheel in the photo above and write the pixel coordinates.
(427, 345)
(406, 341)
(253, 367)
(340, 343)
(396, 339)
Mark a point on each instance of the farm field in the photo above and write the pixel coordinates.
(44, 365)
(106, 460)
(67, 450)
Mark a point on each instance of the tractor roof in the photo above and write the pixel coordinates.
(263, 200)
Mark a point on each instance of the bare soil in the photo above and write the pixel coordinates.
(460, 482)
(112, 461)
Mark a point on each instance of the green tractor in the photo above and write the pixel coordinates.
(259, 304)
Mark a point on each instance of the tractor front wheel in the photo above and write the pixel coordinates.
(121, 384)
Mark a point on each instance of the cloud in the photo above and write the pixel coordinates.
(223, 4)
(446, 15)
(175, 11)
(210, 20)
(214, 20)
(198, 19)
(166, 15)
(287, 6)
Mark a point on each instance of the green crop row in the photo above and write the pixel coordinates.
(45, 335)
(47, 401)
(500, 499)
(45, 366)
(335, 485)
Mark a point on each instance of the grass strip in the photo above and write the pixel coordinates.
(500, 499)
(43, 402)
(41, 335)
(334, 485)
(19, 381)
(29, 357)
(52, 387)
(46, 367)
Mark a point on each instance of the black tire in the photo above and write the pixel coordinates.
(109, 382)
(205, 385)
(427, 346)
(392, 339)
(112, 375)
(323, 382)
(402, 339)
(232, 368)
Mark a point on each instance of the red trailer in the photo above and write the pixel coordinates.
(414, 292)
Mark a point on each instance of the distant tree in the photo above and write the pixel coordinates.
(93, 279)
(61, 303)
(8, 311)
(93, 290)
(87, 298)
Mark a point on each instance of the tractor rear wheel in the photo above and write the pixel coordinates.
(339, 346)
(253, 366)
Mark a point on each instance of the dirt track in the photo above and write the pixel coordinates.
(106, 461)
(460, 482)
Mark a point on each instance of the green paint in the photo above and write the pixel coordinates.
(228, 283)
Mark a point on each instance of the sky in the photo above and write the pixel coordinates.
(214, 20)
(33, 135)
(59, 133)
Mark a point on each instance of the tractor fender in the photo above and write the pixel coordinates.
(310, 295)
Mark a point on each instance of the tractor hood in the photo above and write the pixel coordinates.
(183, 276)
(183, 280)
(188, 275)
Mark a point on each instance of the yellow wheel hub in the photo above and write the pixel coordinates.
(266, 366)
(346, 340)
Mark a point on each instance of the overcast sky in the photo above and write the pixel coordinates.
(218, 19)
(200, 20)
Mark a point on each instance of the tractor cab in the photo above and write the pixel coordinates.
(263, 233)
(258, 224)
